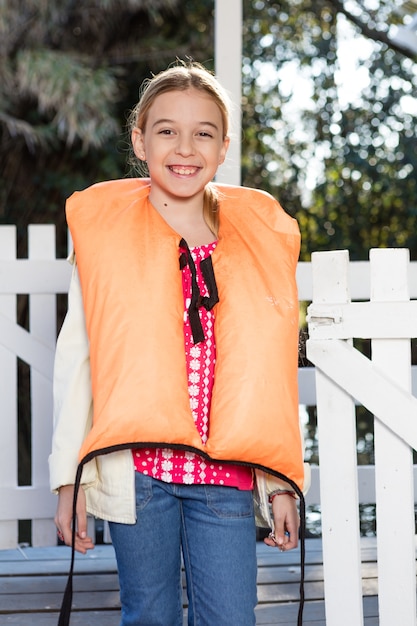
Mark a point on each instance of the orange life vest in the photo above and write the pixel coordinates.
(128, 260)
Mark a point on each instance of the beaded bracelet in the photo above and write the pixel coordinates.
(281, 492)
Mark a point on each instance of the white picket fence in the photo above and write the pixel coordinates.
(40, 276)
(384, 386)
(348, 300)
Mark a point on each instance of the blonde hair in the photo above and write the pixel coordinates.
(180, 77)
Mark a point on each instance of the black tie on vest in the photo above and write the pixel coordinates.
(197, 300)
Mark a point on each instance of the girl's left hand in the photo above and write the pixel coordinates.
(286, 522)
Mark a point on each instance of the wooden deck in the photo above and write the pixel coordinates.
(32, 582)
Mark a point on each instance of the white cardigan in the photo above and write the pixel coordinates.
(108, 480)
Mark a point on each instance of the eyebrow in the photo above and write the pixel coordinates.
(168, 121)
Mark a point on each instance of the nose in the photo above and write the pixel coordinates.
(185, 145)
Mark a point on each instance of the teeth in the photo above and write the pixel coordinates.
(184, 171)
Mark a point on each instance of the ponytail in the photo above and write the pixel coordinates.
(211, 208)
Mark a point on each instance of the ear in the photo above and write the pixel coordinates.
(138, 143)
(224, 149)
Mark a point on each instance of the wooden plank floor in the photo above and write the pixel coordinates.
(32, 581)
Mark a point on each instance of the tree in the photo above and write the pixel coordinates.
(69, 73)
(346, 167)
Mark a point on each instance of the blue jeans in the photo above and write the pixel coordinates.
(213, 528)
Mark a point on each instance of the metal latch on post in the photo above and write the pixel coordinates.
(324, 315)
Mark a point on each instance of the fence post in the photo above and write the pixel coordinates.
(228, 55)
(42, 312)
(8, 411)
(393, 458)
(338, 466)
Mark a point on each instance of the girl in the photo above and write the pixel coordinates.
(176, 366)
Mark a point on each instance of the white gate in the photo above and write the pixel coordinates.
(40, 277)
(383, 386)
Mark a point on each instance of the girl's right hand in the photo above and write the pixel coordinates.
(286, 523)
(63, 519)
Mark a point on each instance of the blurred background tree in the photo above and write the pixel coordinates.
(330, 119)
(340, 156)
(69, 73)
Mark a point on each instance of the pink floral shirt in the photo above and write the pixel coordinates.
(180, 466)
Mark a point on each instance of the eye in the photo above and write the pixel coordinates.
(204, 133)
(165, 131)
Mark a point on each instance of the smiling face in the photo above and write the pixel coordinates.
(183, 143)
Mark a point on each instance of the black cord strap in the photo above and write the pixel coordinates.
(65, 612)
(197, 300)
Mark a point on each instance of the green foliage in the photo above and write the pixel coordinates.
(75, 98)
(69, 74)
(343, 164)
